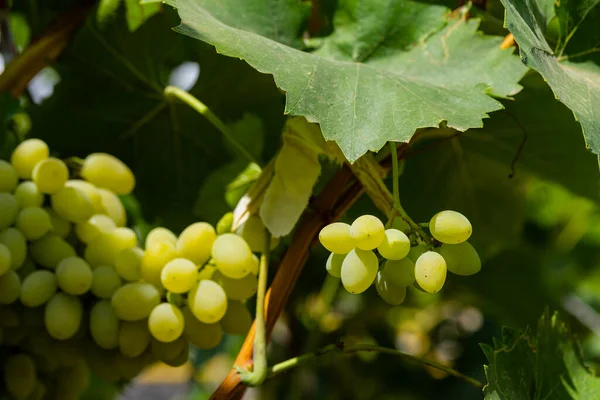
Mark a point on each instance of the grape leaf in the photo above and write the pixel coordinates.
(386, 87)
(572, 71)
(138, 13)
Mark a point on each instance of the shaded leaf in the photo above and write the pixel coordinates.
(138, 13)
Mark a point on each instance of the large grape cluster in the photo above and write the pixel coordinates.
(78, 292)
(354, 260)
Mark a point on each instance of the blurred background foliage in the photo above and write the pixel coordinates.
(535, 212)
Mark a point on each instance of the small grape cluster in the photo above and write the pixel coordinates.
(78, 292)
(353, 257)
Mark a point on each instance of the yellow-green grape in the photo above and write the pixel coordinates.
(253, 232)
(19, 375)
(368, 232)
(15, 241)
(399, 272)
(430, 271)
(113, 207)
(128, 264)
(201, 335)
(395, 245)
(27, 155)
(336, 238)
(96, 225)
(206, 272)
(5, 259)
(74, 276)
(8, 177)
(10, 287)
(129, 367)
(196, 241)
(334, 264)
(160, 235)
(33, 222)
(104, 325)
(9, 207)
(450, 227)
(37, 288)
(179, 275)
(105, 282)
(60, 226)
(232, 256)
(134, 338)
(107, 171)
(392, 294)
(166, 322)
(170, 352)
(237, 289)
(237, 319)
(359, 270)
(28, 195)
(416, 251)
(90, 190)
(72, 204)
(50, 250)
(77, 376)
(154, 260)
(135, 301)
(62, 316)
(461, 259)
(208, 301)
(400, 224)
(225, 223)
(255, 265)
(104, 249)
(50, 175)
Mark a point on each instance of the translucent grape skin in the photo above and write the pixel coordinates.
(237, 319)
(95, 226)
(37, 288)
(416, 251)
(62, 316)
(430, 271)
(160, 235)
(74, 276)
(19, 375)
(166, 322)
(105, 282)
(26, 156)
(135, 301)
(232, 256)
(8, 177)
(90, 190)
(50, 175)
(336, 238)
(201, 335)
(50, 250)
(113, 207)
(72, 204)
(461, 259)
(28, 195)
(107, 171)
(15, 241)
(368, 232)
(399, 272)
(134, 338)
(9, 208)
(395, 245)
(104, 325)
(5, 259)
(179, 275)
(208, 301)
(392, 294)
(237, 289)
(128, 264)
(359, 270)
(60, 226)
(196, 241)
(10, 287)
(334, 264)
(253, 232)
(450, 227)
(33, 222)
(154, 260)
(106, 247)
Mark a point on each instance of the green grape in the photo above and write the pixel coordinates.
(128, 264)
(255, 265)
(237, 319)
(253, 232)
(37, 288)
(72, 204)
(225, 223)
(107, 171)
(232, 256)
(33, 222)
(15, 241)
(336, 238)
(28, 195)
(359, 270)
(10, 287)
(237, 289)
(104, 325)
(9, 207)
(9, 317)
(368, 232)
(62, 316)
(154, 260)
(27, 268)
(50, 250)
(8, 177)
(166, 322)
(135, 301)
(129, 367)
(134, 338)
(19, 375)
(208, 301)
(5, 259)
(400, 224)
(175, 298)
(113, 207)
(179, 275)
(102, 363)
(430, 271)
(173, 353)
(94, 227)
(27, 155)
(76, 376)
(334, 264)
(450, 227)
(105, 282)
(201, 335)
(399, 272)
(160, 235)
(395, 245)
(90, 190)
(74, 275)
(50, 175)
(104, 249)
(206, 272)
(196, 241)
(416, 251)
(60, 226)
(461, 259)
(392, 294)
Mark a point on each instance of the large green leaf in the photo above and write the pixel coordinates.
(572, 71)
(380, 76)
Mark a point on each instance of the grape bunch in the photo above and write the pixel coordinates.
(404, 262)
(78, 292)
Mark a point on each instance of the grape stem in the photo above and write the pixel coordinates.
(201, 108)
(341, 348)
(260, 368)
